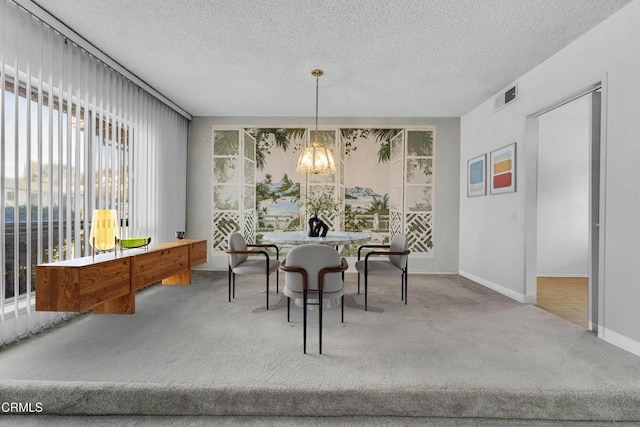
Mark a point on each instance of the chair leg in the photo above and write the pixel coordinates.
(233, 275)
(304, 322)
(402, 286)
(320, 320)
(267, 290)
(277, 281)
(358, 283)
(366, 286)
(342, 309)
(288, 308)
(406, 286)
(229, 279)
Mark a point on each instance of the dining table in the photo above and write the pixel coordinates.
(333, 238)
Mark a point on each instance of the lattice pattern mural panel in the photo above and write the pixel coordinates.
(332, 220)
(224, 224)
(395, 223)
(419, 232)
(249, 220)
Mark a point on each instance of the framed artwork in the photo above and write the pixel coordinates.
(503, 170)
(476, 173)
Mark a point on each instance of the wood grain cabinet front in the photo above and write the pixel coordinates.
(107, 283)
(198, 252)
(159, 264)
(76, 288)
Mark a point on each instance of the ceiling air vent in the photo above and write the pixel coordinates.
(506, 97)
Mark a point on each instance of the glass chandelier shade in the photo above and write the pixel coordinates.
(316, 158)
(104, 229)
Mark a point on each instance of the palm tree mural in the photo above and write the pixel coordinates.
(380, 205)
(419, 168)
(418, 144)
(267, 138)
(381, 136)
(277, 189)
(365, 195)
(367, 201)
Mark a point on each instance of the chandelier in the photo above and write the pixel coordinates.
(316, 158)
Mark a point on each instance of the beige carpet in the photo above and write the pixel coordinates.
(456, 350)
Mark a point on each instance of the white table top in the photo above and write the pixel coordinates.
(334, 238)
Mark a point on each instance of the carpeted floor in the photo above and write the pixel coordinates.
(236, 421)
(456, 350)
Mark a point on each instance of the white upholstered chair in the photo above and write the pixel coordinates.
(317, 271)
(242, 260)
(395, 264)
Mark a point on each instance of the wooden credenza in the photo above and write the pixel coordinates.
(108, 282)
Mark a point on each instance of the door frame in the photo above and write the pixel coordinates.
(596, 254)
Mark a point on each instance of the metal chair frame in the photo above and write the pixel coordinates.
(319, 291)
(232, 275)
(403, 276)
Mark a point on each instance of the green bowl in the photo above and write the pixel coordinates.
(134, 242)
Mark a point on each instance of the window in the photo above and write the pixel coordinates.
(47, 166)
(73, 132)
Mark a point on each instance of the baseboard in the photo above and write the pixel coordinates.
(517, 296)
(619, 340)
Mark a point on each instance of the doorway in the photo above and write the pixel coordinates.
(564, 273)
(563, 211)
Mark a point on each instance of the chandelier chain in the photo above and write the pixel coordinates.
(317, 84)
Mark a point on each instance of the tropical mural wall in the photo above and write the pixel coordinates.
(383, 185)
(367, 154)
(278, 184)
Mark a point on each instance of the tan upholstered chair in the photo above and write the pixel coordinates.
(245, 261)
(316, 270)
(396, 263)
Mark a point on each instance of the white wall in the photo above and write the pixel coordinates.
(492, 228)
(563, 190)
(199, 178)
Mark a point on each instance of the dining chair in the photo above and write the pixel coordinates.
(317, 270)
(396, 264)
(242, 261)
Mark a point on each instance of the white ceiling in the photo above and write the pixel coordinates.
(382, 58)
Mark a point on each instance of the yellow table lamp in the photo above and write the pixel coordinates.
(104, 230)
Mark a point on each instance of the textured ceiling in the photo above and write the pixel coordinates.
(381, 58)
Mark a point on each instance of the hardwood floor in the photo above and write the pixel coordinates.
(567, 297)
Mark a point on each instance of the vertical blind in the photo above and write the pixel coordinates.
(75, 136)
